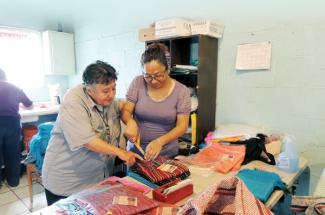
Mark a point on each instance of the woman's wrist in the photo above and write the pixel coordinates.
(120, 153)
(160, 142)
(130, 122)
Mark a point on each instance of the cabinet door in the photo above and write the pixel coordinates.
(59, 55)
(207, 85)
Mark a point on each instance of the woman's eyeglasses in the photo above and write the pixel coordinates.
(158, 76)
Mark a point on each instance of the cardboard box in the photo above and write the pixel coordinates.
(147, 34)
(207, 27)
(172, 28)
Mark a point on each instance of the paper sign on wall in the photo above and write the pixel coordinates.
(254, 56)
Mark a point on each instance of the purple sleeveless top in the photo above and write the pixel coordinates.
(156, 118)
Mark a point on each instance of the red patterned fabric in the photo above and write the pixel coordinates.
(230, 196)
(149, 170)
(164, 209)
(311, 205)
(99, 200)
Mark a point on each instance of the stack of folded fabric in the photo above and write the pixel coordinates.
(161, 170)
(219, 157)
(101, 200)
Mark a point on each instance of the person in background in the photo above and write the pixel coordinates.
(158, 107)
(10, 129)
(84, 141)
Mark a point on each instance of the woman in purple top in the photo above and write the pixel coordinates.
(10, 146)
(160, 106)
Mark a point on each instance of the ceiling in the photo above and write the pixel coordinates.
(132, 14)
(46, 14)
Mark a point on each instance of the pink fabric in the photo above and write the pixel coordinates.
(142, 188)
(99, 200)
(163, 209)
(230, 196)
(222, 158)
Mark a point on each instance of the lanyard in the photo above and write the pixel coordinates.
(104, 118)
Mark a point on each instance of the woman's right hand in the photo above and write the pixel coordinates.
(131, 131)
(129, 157)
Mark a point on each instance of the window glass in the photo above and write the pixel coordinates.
(21, 56)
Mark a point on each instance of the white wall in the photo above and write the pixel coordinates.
(122, 51)
(290, 97)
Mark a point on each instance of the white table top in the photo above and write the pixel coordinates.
(203, 177)
(41, 108)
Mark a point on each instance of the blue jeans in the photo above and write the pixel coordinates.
(10, 149)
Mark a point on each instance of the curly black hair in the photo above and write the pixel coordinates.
(99, 73)
(156, 51)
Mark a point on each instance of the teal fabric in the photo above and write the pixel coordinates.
(141, 179)
(261, 183)
(39, 143)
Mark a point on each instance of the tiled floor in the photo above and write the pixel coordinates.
(15, 200)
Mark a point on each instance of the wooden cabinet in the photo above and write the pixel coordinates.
(58, 52)
(201, 51)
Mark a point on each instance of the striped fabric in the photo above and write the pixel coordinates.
(149, 170)
(230, 196)
(310, 205)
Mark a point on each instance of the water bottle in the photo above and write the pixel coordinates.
(288, 160)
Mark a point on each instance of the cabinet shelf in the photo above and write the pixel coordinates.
(183, 73)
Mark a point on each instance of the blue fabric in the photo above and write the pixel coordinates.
(261, 183)
(141, 179)
(39, 142)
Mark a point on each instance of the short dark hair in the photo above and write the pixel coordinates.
(99, 73)
(2, 75)
(156, 51)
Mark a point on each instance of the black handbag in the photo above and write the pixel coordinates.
(255, 150)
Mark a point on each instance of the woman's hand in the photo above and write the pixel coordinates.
(153, 149)
(131, 131)
(129, 157)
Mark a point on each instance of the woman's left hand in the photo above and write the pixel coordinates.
(131, 131)
(153, 149)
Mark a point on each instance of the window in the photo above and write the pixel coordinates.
(21, 56)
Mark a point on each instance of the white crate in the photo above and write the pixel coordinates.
(172, 28)
(207, 27)
(147, 34)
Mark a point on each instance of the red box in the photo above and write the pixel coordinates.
(173, 197)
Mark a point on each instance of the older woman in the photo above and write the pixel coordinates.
(84, 141)
(159, 104)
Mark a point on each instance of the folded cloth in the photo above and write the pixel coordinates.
(99, 200)
(318, 207)
(141, 179)
(153, 171)
(311, 205)
(230, 196)
(261, 183)
(138, 186)
(221, 158)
